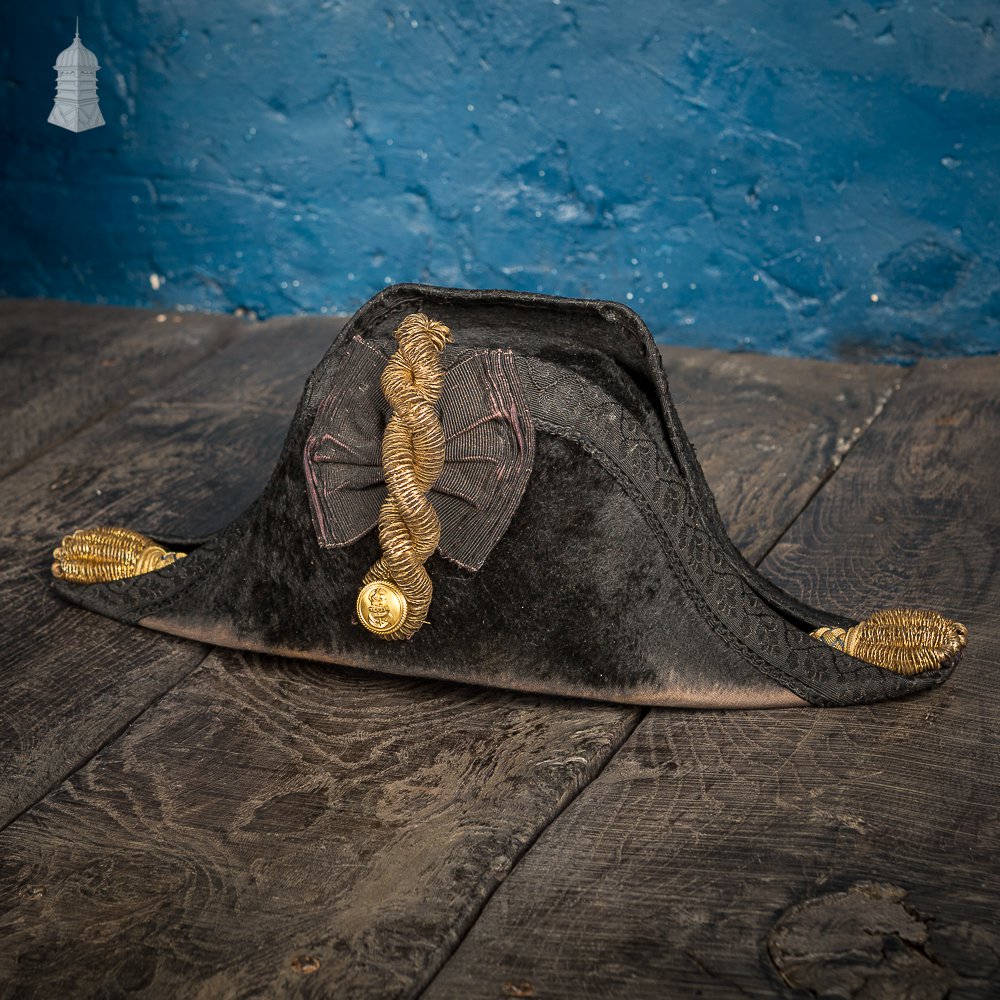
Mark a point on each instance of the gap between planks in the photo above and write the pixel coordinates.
(112, 737)
(883, 814)
(839, 457)
(630, 720)
(126, 385)
(97, 475)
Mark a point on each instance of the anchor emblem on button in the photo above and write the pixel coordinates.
(381, 606)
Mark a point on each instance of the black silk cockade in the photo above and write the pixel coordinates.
(489, 451)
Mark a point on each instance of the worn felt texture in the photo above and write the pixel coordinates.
(588, 593)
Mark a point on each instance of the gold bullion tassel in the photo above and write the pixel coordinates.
(98, 555)
(396, 592)
(904, 640)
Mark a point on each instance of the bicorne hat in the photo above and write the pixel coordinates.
(494, 487)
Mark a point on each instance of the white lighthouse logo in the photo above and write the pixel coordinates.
(76, 106)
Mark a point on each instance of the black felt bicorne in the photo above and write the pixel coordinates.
(581, 554)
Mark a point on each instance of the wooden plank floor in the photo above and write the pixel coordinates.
(848, 852)
(95, 361)
(190, 456)
(182, 821)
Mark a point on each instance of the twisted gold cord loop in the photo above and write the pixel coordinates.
(100, 555)
(903, 640)
(396, 591)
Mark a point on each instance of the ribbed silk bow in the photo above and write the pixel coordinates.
(489, 451)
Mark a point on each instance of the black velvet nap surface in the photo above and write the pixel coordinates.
(613, 581)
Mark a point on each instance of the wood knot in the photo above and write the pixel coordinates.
(860, 943)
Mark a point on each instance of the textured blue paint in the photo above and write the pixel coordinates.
(744, 174)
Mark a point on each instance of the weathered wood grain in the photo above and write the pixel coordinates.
(769, 431)
(849, 852)
(273, 827)
(63, 365)
(269, 816)
(187, 459)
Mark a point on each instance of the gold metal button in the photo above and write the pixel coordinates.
(381, 606)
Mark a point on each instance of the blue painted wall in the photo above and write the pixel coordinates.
(810, 178)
